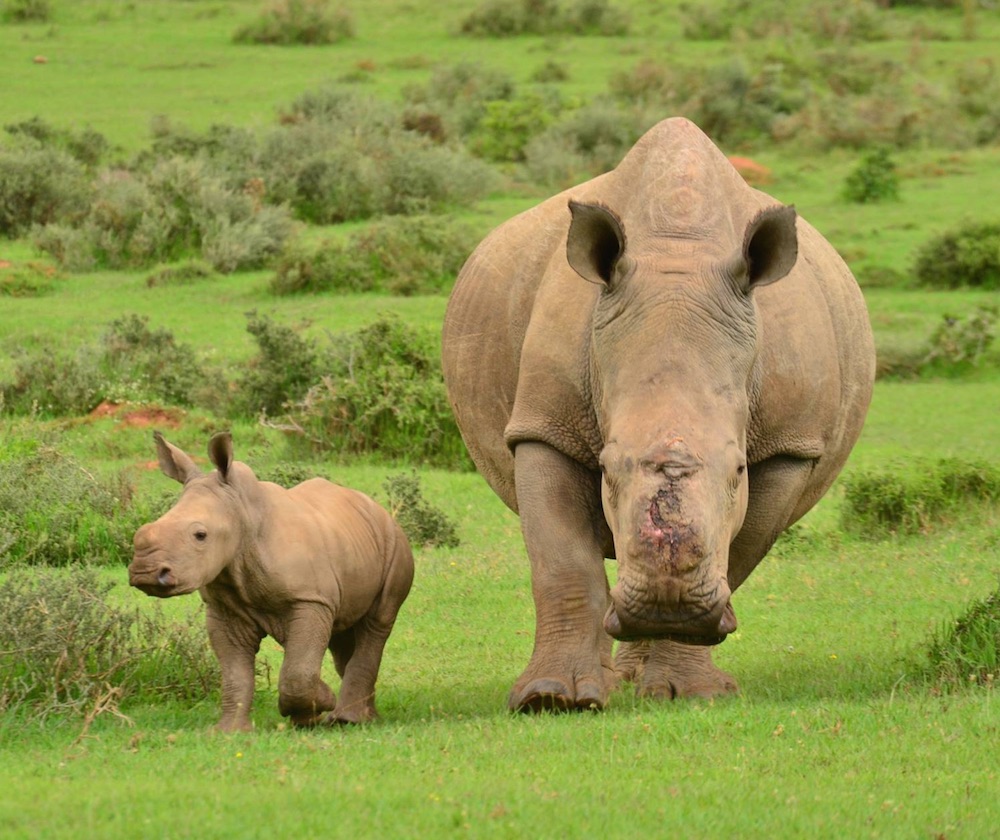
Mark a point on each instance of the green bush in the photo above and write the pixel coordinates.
(189, 271)
(54, 512)
(178, 209)
(458, 95)
(285, 366)
(581, 144)
(68, 650)
(966, 651)
(38, 186)
(500, 19)
(382, 394)
(423, 524)
(911, 499)
(874, 179)
(287, 22)
(89, 147)
(130, 363)
(403, 255)
(30, 279)
(508, 125)
(968, 255)
(26, 11)
(962, 342)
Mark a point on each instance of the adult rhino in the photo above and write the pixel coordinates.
(661, 365)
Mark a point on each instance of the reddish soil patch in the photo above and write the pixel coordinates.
(139, 417)
(753, 173)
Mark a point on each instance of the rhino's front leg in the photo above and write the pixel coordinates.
(302, 694)
(235, 644)
(561, 518)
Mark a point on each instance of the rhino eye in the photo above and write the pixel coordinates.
(201, 535)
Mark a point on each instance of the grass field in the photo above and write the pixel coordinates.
(833, 734)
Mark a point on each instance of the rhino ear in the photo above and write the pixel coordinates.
(220, 451)
(174, 463)
(771, 245)
(595, 242)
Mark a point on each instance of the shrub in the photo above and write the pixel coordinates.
(189, 271)
(874, 179)
(26, 11)
(399, 255)
(460, 92)
(968, 255)
(582, 144)
(31, 279)
(38, 186)
(966, 650)
(508, 124)
(959, 343)
(89, 147)
(383, 394)
(177, 209)
(423, 524)
(129, 363)
(500, 19)
(68, 650)
(54, 512)
(286, 22)
(913, 499)
(281, 372)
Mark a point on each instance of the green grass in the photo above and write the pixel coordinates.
(834, 733)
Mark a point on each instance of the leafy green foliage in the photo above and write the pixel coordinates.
(39, 185)
(968, 255)
(962, 342)
(423, 523)
(26, 11)
(178, 209)
(913, 498)
(403, 255)
(68, 650)
(131, 362)
(288, 22)
(383, 394)
(54, 512)
(285, 366)
(499, 19)
(966, 650)
(874, 179)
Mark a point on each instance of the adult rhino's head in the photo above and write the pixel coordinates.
(190, 545)
(673, 346)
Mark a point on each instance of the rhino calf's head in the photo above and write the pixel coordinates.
(190, 545)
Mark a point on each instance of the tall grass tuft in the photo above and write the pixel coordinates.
(912, 498)
(966, 651)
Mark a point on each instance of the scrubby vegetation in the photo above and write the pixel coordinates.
(424, 524)
(289, 22)
(917, 496)
(966, 650)
(68, 650)
(967, 255)
(398, 255)
(499, 19)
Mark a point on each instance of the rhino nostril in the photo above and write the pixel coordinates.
(163, 578)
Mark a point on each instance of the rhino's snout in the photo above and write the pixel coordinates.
(155, 579)
(709, 627)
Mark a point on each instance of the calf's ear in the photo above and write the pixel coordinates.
(220, 451)
(174, 463)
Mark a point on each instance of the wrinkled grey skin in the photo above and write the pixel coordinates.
(665, 366)
(316, 567)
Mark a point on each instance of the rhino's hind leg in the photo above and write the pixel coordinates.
(559, 502)
(668, 670)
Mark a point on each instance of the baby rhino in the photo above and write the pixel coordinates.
(316, 567)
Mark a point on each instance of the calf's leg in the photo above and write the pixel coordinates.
(302, 694)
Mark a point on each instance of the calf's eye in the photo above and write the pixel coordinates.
(201, 536)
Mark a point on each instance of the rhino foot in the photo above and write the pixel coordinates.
(668, 670)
